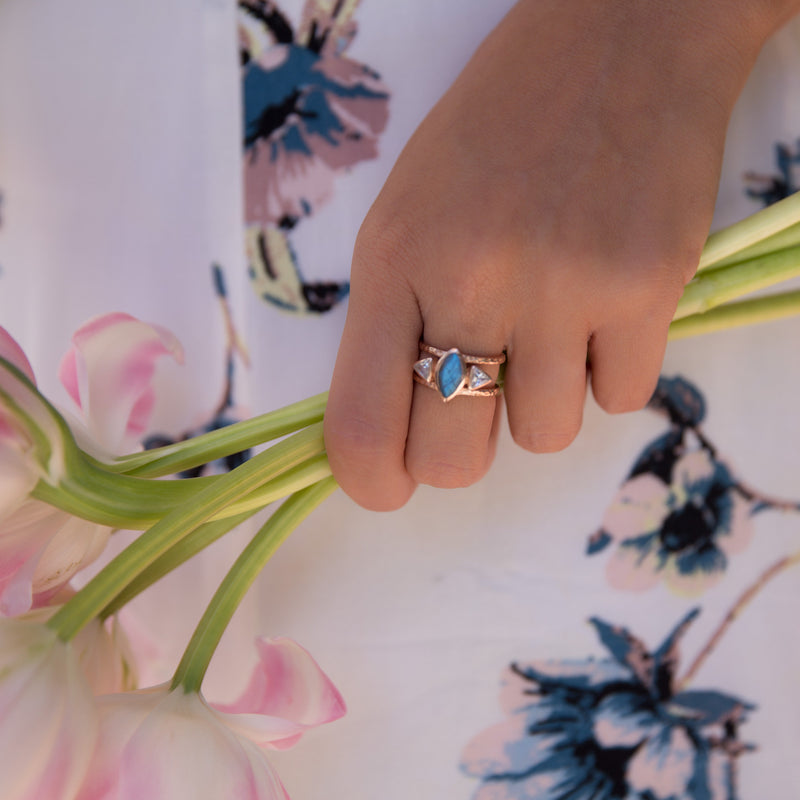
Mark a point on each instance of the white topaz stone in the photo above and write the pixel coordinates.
(424, 368)
(478, 378)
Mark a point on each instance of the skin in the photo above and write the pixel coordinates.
(553, 204)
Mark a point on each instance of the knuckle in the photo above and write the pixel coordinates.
(387, 243)
(649, 283)
(453, 473)
(354, 442)
(361, 456)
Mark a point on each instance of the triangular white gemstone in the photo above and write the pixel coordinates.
(424, 368)
(478, 378)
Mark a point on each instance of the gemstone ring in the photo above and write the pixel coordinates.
(452, 373)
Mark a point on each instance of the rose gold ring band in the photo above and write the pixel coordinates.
(452, 373)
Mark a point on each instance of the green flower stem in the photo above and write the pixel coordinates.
(226, 600)
(226, 441)
(181, 551)
(719, 286)
(755, 228)
(292, 480)
(306, 474)
(122, 501)
(732, 315)
(117, 500)
(788, 237)
(178, 523)
(19, 398)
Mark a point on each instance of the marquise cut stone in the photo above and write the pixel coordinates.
(424, 368)
(450, 374)
(478, 378)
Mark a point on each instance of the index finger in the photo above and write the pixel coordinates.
(366, 420)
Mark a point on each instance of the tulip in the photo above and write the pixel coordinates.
(23, 430)
(48, 713)
(164, 743)
(108, 372)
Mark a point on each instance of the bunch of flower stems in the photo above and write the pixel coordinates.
(179, 518)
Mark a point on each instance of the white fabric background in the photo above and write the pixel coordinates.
(120, 170)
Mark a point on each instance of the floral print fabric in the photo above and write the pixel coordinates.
(673, 530)
(616, 728)
(629, 727)
(310, 114)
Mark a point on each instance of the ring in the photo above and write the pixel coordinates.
(452, 373)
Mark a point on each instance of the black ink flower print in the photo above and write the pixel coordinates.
(615, 728)
(310, 114)
(768, 189)
(682, 513)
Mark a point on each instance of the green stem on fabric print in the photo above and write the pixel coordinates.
(738, 607)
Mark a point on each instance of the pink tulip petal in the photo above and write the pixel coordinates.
(17, 435)
(23, 538)
(183, 751)
(75, 544)
(288, 693)
(41, 549)
(120, 716)
(48, 715)
(17, 477)
(108, 373)
(12, 352)
(162, 745)
(16, 594)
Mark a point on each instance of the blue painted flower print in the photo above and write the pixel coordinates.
(768, 189)
(615, 728)
(682, 513)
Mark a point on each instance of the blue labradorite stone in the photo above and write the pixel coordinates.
(450, 375)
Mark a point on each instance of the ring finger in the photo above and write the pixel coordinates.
(451, 441)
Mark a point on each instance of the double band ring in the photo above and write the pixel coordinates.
(452, 373)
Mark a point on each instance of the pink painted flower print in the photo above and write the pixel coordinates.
(311, 113)
(682, 513)
(682, 532)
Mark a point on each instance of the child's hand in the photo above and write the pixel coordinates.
(552, 205)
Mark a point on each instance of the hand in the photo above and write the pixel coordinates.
(552, 205)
